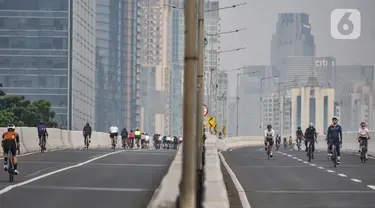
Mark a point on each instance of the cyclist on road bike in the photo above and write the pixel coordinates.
(86, 133)
(363, 134)
(269, 136)
(299, 135)
(131, 137)
(310, 136)
(334, 136)
(278, 139)
(113, 133)
(137, 135)
(124, 136)
(10, 140)
(42, 133)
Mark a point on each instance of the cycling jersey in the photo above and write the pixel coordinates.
(364, 133)
(131, 135)
(113, 130)
(334, 133)
(137, 133)
(299, 133)
(10, 135)
(310, 133)
(269, 134)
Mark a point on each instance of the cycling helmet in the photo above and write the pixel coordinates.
(87, 124)
(299, 128)
(11, 127)
(335, 118)
(311, 125)
(269, 126)
(363, 124)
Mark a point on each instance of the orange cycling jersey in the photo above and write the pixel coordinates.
(10, 135)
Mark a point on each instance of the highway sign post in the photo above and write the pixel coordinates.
(205, 110)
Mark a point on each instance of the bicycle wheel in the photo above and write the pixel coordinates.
(42, 146)
(334, 156)
(10, 166)
(310, 151)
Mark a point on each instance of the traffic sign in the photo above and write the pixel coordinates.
(205, 111)
(224, 130)
(216, 128)
(210, 121)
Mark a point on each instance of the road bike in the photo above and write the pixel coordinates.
(334, 154)
(269, 149)
(299, 141)
(309, 150)
(114, 142)
(43, 144)
(87, 142)
(10, 165)
(363, 148)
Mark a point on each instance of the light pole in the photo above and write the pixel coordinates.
(238, 98)
(260, 100)
(189, 161)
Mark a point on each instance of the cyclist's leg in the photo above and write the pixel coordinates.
(40, 139)
(265, 143)
(313, 146)
(306, 142)
(337, 145)
(13, 149)
(5, 151)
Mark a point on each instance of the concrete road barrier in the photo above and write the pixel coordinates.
(57, 139)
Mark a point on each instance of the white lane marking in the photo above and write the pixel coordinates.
(342, 175)
(76, 188)
(41, 170)
(371, 187)
(312, 164)
(300, 160)
(356, 180)
(10, 187)
(241, 192)
(330, 171)
(321, 168)
(289, 155)
(294, 158)
(305, 162)
(31, 153)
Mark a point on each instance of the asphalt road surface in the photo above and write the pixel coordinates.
(80, 178)
(289, 181)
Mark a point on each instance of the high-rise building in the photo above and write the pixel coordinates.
(115, 64)
(153, 51)
(177, 58)
(212, 53)
(299, 68)
(47, 51)
(222, 114)
(292, 38)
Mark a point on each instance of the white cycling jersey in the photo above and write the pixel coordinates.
(147, 138)
(269, 134)
(160, 138)
(169, 138)
(363, 132)
(113, 129)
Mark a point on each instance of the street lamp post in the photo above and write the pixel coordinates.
(238, 98)
(260, 100)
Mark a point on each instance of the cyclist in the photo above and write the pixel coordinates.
(10, 140)
(86, 133)
(269, 136)
(124, 136)
(137, 135)
(310, 136)
(131, 137)
(299, 135)
(113, 133)
(42, 133)
(334, 137)
(363, 134)
(278, 139)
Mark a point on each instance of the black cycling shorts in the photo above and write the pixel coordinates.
(10, 143)
(270, 140)
(112, 135)
(364, 140)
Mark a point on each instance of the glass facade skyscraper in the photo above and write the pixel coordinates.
(115, 64)
(47, 51)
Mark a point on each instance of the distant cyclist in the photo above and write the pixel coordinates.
(113, 134)
(310, 136)
(10, 140)
(363, 135)
(124, 136)
(42, 134)
(137, 135)
(334, 137)
(86, 133)
(269, 136)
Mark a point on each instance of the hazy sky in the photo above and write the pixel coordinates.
(259, 17)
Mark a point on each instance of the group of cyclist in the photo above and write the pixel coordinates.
(333, 137)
